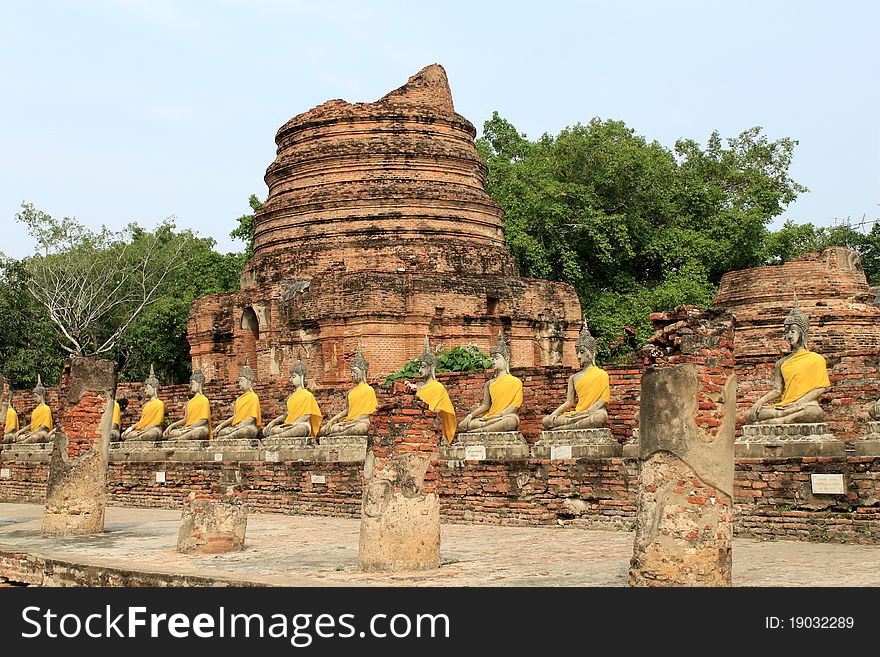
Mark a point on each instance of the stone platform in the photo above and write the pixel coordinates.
(29, 453)
(137, 548)
(575, 444)
(869, 444)
(488, 445)
(236, 449)
(787, 440)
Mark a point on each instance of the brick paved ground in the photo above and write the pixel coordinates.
(319, 551)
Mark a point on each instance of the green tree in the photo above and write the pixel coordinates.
(28, 344)
(158, 336)
(245, 229)
(633, 226)
(123, 295)
(94, 284)
(793, 240)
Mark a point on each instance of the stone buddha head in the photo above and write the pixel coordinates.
(151, 384)
(501, 354)
(796, 326)
(298, 374)
(196, 381)
(246, 377)
(585, 347)
(359, 367)
(427, 361)
(39, 391)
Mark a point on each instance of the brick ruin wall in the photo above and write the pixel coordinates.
(773, 496)
(844, 328)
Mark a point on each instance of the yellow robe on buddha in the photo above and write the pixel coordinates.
(11, 420)
(361, 401)
(803, 372)
(153, 414)
(435, 396)
(300, 403)
(117, 415)
(197, 409)
(590, 388)
(41, 417)
(248, 405)
(505, 391)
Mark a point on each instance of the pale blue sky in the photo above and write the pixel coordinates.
(113, 111)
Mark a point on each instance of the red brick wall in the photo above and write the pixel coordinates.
(772, 496)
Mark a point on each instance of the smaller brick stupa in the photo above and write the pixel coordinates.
(377, 232)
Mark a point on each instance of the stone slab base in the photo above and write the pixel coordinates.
(33, 453)
(787, 440)
(210, 526)
(279, 444)
(744, 450)
(867, 446)
(576, 443)
(342, 442)
(562, 452)
(491, 445)
(576, 437)
(75, 496)
(773, 433)
(406, 536)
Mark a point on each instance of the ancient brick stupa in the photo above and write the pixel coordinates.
(378, 231)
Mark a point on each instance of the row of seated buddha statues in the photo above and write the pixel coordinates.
(40, 430)
(301, 419)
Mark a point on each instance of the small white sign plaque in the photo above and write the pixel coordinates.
(5, 473)
(827, 484)
(558, 452)
(218, 456)
(272, 456)
(160, 477)
(475, 453)
(319, 479)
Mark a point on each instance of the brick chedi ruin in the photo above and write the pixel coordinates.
(378, 231)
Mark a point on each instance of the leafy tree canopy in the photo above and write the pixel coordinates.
(122, 295)
(632, 225)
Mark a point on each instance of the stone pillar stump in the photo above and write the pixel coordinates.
(400, 514)
(684, 524)
(76, 492)
(214, 522)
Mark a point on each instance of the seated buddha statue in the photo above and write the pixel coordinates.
(799, 379)
(149, 427)
(502, 397)
(247, 418)
(10, 428)
(41, 426)
(303, 417)
(196, 421)
(433, 393)
(588, 391)
(360, 404)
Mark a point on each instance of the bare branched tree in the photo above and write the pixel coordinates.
(94, 284)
